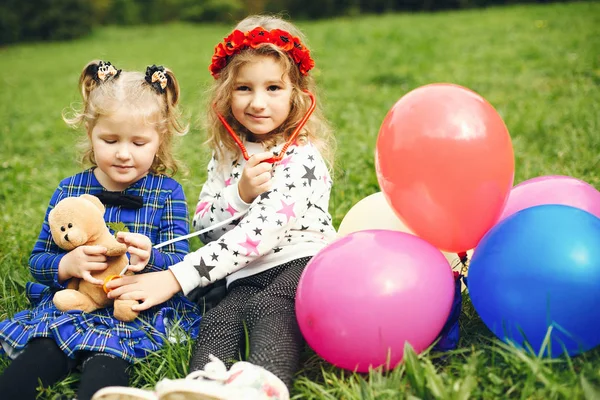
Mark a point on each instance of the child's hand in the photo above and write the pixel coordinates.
(81, 261)
(152, 288)
(256, 177)
(139, 248)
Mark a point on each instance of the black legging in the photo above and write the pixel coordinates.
(263, 306)
(43, 361)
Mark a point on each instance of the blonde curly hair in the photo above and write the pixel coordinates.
(102, 97)
(316, 130)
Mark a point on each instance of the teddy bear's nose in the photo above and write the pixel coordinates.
(67, 237)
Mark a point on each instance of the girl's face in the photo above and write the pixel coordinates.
(262, 95)
(124, 149)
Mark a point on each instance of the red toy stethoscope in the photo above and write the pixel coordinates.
(291, 140)
(237, 140)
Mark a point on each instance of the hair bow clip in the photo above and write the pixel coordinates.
(106, 70)
(156, 77)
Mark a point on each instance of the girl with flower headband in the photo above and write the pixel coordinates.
(269, 179)
(130, 119)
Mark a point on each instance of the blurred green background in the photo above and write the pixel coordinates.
(538, 65)
(27, 20)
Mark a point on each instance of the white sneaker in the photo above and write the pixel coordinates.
(244, 381)
(249, 381)
(207, 384)
(123, 393)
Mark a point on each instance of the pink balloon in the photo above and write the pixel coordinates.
(363, 296)
(553, 189)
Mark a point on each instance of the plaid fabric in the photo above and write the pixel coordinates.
(163, 217)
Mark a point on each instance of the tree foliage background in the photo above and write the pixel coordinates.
(34, 20)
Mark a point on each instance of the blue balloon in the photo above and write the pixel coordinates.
(537, 269)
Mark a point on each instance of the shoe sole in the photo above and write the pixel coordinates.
(187, 396)
(123, 393)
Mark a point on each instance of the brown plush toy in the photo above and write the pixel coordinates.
(78, 221)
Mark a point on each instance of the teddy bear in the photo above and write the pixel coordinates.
(78, 221)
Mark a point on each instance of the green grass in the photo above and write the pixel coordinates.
(538, 65)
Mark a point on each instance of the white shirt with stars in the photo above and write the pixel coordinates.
(288, 222)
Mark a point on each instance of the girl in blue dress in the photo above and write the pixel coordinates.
(130, 119)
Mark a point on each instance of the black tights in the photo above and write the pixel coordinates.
(44, 363)
(263, 306)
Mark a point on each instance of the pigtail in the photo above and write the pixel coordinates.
(163, 81)
(172, 89)
(172, 99)
(95, 73)
(164, 84)
(87, 83)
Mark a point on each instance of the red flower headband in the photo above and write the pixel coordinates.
(238, 41)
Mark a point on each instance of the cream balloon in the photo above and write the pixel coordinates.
(374, 212)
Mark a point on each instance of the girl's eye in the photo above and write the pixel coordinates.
(110, 141)
(273, 88)
(139, 144)
(242, 88)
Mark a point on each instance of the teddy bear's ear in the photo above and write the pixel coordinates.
(95, 201)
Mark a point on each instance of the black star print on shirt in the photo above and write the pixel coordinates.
(316, 206)
(310, 174)
(203, 269)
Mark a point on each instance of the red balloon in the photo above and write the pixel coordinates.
(445, 163)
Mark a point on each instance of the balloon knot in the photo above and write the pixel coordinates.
(463, 257)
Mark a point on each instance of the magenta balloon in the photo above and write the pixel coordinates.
(363, 296)
(553, 189)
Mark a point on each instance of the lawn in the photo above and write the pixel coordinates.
(539, 65)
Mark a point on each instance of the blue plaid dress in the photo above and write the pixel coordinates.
(163, 216)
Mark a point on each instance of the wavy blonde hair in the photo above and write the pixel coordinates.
(130, 89)
(316, 130)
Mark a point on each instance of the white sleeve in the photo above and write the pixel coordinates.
(299, 181)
